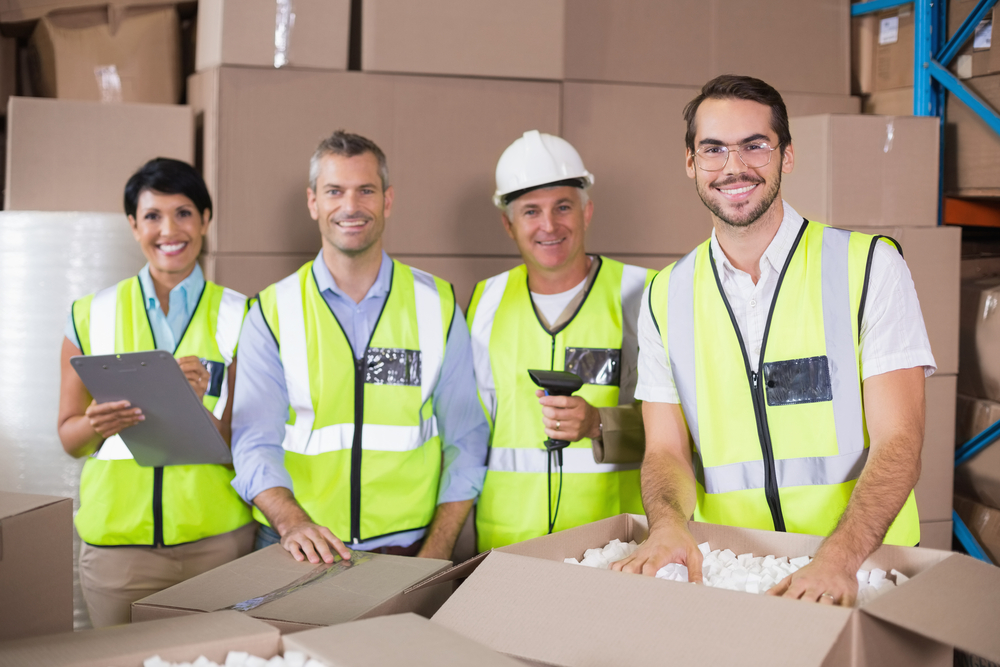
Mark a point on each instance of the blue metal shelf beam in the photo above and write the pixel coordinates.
(862, 8)
(950, 50)
(968, 540)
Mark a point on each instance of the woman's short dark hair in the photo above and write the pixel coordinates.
(171, 177)
(731, 86)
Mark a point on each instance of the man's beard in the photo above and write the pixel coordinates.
(754, 214)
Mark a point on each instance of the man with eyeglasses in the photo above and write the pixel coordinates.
(781, 365)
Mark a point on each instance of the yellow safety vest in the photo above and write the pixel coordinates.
(122, 503)
(361, 443)
(507, 340)
(779, 446)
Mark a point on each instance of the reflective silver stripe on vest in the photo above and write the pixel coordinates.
(806, 471)
(837, 326)
(430, 334)
(232, 308)
(377, 437)
(633, 285)
(103, 321)
(295, 361)
(680, 339)
(480, 330)
(575, 460)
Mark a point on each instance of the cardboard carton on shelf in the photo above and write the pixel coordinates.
(442, 137)
(524, 601)
(936, 534)
(249, 274)
(36, 565)
(865, 171)
(174, 639)
(935, 488)
(984, 524)
(18, 11)
(971, 147)
(892, 46)
(299, 596)
(631, 138)
(897, 102)
(979, 363)
(262, 33)
(109, 54)
(978, 57)
(979, 477)
(65, 155)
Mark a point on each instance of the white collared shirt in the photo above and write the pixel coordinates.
(893, 335)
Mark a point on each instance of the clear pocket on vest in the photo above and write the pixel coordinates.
(595, 366)
(386, 365)
(798, 381)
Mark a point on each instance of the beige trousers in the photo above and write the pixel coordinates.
(112, 578)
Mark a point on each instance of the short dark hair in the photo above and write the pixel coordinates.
(731, 86)
(346, 144)
(171, 177)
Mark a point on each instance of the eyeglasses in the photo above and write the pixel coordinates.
(754, 154)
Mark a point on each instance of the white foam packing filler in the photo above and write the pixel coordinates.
(241, 659)
(743, 572)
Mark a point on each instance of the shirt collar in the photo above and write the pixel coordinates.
(190, 288)
(326, 282)
(777, 251)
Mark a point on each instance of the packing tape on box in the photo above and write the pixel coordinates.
(890, 130)
(284, 21)
(320, 573)
(109, 83)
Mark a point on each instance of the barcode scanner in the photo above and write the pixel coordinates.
(556, 383)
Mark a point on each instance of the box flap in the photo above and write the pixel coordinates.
(415, 641)
(345, 595)
(955, 603)
(12, 504)
(571, 615)
(174, 639)
(460, 571)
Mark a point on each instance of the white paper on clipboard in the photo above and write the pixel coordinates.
(177, 430)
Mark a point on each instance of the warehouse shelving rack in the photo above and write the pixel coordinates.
(931, 82)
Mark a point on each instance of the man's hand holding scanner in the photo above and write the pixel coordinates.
(569, 418)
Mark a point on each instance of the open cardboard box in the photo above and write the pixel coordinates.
(522, 600)
(374, 585)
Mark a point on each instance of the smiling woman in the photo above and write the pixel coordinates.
(179, 521)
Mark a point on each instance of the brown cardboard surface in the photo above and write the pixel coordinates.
(175, 640)
(462, 272)
(898, 102)
(372, 587)
(936, 535)
(979, 364)
(249, 274)
(862, 170)
(893, 62)
(687, 42)
(972, 61)
(242, 32)
(863, 39)
(632, 139)
(979, 477)
(36, 565)
(65, 155)
(8, 70)
(934, 490)
(972, 149)
(464, 37)
(27, 10)
(974, 415)
(933, 255)
(442, 137)
(415, 641)
(141, 43)
(983, 522)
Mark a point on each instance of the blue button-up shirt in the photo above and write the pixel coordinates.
(260, 407)
(167, 329)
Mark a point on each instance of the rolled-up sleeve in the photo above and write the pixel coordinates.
(260, 411)
(461, 422)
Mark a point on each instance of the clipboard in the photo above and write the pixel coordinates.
(177, 430)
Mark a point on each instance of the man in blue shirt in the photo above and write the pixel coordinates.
(339, 457)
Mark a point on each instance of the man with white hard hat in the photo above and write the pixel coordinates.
(562, 310)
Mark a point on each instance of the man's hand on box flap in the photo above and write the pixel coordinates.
(668, 544)
(301, 537)
(823, 580)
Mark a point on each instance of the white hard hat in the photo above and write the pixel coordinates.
(535, 160)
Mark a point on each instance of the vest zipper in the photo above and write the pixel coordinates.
(158, 507)
(359, 419)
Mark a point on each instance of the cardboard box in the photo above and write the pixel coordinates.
(414, 641)
(523, 601)
(36, 565)
(935, 488)
(936, 534)
(12, 11)
(305, 595)
(865, 170)
(632, 139)
(893, 48)
(898, 102)
(979, 363)
(253, 33)
(977, 57)
(465, 37)
(687, 42)
(249, 274)
(971, 148)
(442, 137)
(979, 477)
(174, 639)
(108, 54)
(64, 155)
(984, 524)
